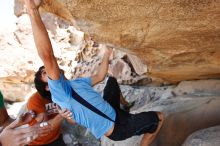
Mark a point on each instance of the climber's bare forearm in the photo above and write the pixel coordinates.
(43, 44)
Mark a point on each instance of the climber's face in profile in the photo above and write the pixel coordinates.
(41, 81)
(44, 77)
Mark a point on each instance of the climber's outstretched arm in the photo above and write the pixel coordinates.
(42, 40)
(103, 69)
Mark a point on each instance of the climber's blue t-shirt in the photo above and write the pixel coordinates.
(62, 95)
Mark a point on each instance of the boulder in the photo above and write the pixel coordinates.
(205, 137)
(183, 116)
(75, 135)
(198, 88)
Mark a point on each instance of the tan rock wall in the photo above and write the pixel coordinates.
(176, 39)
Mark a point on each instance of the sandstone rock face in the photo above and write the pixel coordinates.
(177, 39)
(89, 58)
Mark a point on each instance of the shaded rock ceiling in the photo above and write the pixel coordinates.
(177, 39)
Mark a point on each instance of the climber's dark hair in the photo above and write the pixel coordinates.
(40, 85)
